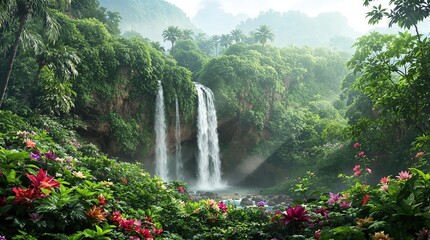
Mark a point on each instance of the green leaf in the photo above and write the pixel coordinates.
(11, 176)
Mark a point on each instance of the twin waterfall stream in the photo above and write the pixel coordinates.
(208, 161)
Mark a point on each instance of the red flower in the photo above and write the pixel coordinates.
(317, 234)
(356, 145)
(365, 199)
(102, 200)
(181, 189)
(296, 214)
(145, 232)
(43, 181)
(124, 180)
(26, 195)
(116, 217)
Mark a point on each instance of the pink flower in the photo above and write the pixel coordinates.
(361, 153)
(384, 187)
(385, 180)
(357, 173)
(356, 168)
(334, 198)
(345, 204)
(404, 175)
(368, 170)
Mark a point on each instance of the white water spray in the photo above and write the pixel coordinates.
(161, 168)
(209, 164)
(178, 151)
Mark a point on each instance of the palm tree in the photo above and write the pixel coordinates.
(20, 12)
(225, 40)
(187, 34)
(215, 41)
(264, 33)
(172, 34)
(237, 35)
(157, 45)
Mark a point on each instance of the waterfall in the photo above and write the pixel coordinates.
(160, 136)
(209, 164)
(178, 153)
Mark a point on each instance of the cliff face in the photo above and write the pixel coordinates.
(236, 140)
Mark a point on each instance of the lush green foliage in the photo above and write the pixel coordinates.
(49, 194)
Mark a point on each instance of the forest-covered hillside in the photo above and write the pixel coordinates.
(296, 28)
(148, 18)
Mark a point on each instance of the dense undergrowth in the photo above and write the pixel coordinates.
(54, 186)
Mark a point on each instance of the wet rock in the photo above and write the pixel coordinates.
(257, 199)
(246, 202)
(271, 203)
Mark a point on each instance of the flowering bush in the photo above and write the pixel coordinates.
(48, 193)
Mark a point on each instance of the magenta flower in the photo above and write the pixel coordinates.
(297, 214)
(356, 145)
(334, 198)
(223, 207)
(404, 175)
(361, 153)
(357, 173)
(368, 170)
(356, 168)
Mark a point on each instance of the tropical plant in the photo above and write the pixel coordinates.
(263, 34)
(237, 35)
(16, 14)
(172, 34)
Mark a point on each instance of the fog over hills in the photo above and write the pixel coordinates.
(148, 17)
(151, 17)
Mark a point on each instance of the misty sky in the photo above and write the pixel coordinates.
(352, 9)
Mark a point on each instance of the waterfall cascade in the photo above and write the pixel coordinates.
(161, 168)
(178, 150)
(208, 161)
(209, 164)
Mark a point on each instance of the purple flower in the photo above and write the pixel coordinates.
(50, 155)
(261, 203)
(2, 238)
(35, 155)
(69, 168)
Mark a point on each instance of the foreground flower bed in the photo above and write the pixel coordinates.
(63, 191)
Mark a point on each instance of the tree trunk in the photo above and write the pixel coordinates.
(11, 60)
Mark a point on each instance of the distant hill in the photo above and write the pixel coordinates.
(148, 17)
(297, 28)
(214, 20)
